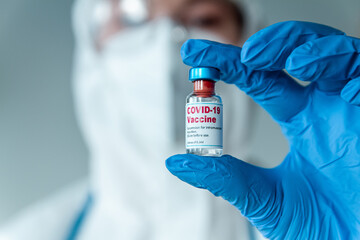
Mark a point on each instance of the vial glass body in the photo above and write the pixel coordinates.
(206, 108)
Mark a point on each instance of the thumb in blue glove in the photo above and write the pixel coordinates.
(315, 192)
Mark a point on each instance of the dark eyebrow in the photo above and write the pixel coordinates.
(199, 1)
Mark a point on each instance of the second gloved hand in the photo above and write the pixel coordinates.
(315, 192)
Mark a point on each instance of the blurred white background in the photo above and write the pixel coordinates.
(41, 149)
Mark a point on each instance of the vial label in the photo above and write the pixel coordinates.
(204, 125)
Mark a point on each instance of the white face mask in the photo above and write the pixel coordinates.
(141, 76)
(147, 76)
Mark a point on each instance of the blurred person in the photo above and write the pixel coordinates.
(129, 97)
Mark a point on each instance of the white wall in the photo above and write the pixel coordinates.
(40, 145)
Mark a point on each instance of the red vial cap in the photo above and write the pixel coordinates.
(204, 88)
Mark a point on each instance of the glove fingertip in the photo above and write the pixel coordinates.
(192, 51)
(246, 53)
(185, 50)
(174, 162)
(190, 162)
(351, 92)
(302, 65)
(188, 168)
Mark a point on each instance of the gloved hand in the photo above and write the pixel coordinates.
(315, 192)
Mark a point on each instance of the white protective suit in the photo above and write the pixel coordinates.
(130, 103)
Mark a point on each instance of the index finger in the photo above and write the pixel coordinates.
(274, 91)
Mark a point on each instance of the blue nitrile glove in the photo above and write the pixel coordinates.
(315, 192)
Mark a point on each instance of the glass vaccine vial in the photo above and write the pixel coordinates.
(204, 114)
